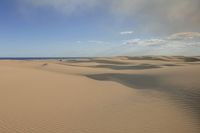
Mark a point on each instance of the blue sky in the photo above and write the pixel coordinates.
(99, 27)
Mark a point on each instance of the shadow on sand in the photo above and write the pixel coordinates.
(126, 66)
(166, 58)
(188, 98)
(134, 67)
(97, 61)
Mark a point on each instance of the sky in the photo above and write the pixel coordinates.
(82, 28)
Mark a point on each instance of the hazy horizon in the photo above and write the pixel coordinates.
(99, 28)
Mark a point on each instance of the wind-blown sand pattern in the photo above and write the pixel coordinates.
(101, 95)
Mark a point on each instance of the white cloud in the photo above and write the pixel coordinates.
(186, 45)
(145, 42)
(98, 42)
(185, 36)
(126, 32)
(78, 41)
(92, 42)
(184, 39)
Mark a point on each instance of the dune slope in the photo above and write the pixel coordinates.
(83, 97)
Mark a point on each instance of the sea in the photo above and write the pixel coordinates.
(43, 58)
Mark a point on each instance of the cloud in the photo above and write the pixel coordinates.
(98, 42)
(145, 42)
(184, 39)
(191, 36)
(65, 6)
(93, 41)
(153, 16)
(78, 41)
(126, 32)
(168, 16)
(159, 46)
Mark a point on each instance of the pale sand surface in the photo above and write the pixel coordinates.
(101, 95)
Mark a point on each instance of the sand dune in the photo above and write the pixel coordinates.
(100, 95)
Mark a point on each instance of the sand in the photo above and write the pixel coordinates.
(100, 95)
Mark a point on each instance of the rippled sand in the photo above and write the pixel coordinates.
(101, 95)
